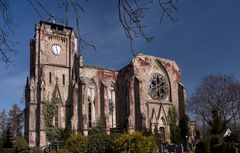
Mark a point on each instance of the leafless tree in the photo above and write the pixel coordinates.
(219, 93)
(132, 13)
(16, 120)
(131, 17)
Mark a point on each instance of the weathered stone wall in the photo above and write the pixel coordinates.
(84, 94)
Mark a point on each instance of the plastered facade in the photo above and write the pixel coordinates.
(84, 94)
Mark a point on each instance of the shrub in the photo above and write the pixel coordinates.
(135, 142)
(75, 144)
(63, 151)
(216, 144)
(35, 150)
(8, 150)
(99, 143)
(21, 146)
(203, 146)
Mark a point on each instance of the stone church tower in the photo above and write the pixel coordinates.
(136, 97)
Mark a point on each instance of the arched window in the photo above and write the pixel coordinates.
(89, 112)
(56, 113)
(56, 116)
(91, 103)
(112, 106)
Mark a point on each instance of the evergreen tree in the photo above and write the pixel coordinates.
(7, 136)
(16, 120)
(184, 129)
(216, 124)
(174, 129)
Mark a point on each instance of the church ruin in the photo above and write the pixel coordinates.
(136, 97)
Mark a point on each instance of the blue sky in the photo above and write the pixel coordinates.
(205, 40)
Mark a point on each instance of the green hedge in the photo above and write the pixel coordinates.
(135, 143)
(75, 144)
(114, 143)
(21, 146)
(8, 150)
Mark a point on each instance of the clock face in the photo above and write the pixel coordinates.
(158, 87)
(56, 49)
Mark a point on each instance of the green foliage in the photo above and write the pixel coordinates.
(66, 132)
(135, 142)
(16, 119)
(203, 146)
(174, 129)
(75, 144)
(8, 150)
(21, 146)
(99, 128)
(103, 143)
(98, 140)
(64, 151)
(216, 144)
(217, 125)
(35, 150)
(48, 114)
(54, 134)
(99, 143)
(184, 130)
(7, 137)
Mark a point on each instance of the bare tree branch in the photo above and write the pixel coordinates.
(6, 45)
(219, 93)
(131, 15)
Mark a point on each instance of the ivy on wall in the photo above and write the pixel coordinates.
(174, 128)
(53, 133)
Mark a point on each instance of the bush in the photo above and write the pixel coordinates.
(203, 146)
(75, 144)
(63, 151)
(35, 150)
(21, 146)
(216, 144)
(102, 143)
(135, 142)
(99, 143)
(8, 150)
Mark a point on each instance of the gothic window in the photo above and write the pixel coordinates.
(63, 79)
(162, 133)
(91, 103)
(158, 87)
(112, 106)
(89, 112)
(50, 77)
(56, 116)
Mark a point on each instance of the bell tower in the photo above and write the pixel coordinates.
(52, 53)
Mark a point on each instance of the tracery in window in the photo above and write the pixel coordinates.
(56, 113)
(112, 106)
(91, 104)
(56, 123)
(158, 87)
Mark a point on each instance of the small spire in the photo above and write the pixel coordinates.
(27, 82)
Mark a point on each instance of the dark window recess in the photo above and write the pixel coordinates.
(50, 77)
(57, 27)
(89, 113)
(63, 79)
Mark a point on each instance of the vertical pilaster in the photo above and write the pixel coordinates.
(131, 117)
